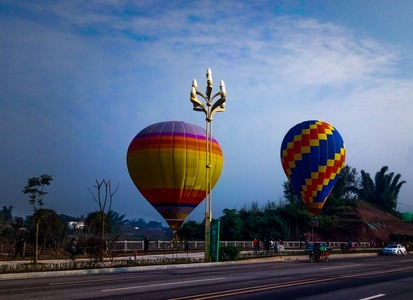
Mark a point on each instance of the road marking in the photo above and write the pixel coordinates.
(339, 267)
(81, 281)
(162, 284)
(254, 289)
(373, 297)
(85, 281)
(246, 290)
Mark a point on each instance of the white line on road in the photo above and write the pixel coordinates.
(102, 280)
(162, 284)
(340, 267)
(373, 297)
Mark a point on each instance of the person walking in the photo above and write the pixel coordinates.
(73, 249)
(267, 245)
(18, 249)
(145, 246)
(255, 245)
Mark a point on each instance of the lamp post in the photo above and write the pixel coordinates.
(314, 223)
(209, 108)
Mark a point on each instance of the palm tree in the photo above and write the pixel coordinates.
(117, 221)
(6, 225)
(383, 191)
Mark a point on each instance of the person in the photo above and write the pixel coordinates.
(306, 241)
(255, 243)
(18, 249)
(145, 246)
(350, 245)
(73, 249)
(186, 246)
(280, 246)
(267, 245)
(317, 252)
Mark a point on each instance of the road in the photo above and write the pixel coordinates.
(374, 277)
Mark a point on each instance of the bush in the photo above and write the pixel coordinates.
(228, 253)
(400, 238)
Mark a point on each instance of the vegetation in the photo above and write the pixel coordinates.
(383, 191)
(35, 188)
(289, 219)
(228, 253)
(47, 232)
(50, 229)
(104, 198)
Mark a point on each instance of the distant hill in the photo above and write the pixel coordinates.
(366, 223)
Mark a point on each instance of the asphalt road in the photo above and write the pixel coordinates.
(375, 277)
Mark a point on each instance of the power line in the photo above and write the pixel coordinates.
(404, 204)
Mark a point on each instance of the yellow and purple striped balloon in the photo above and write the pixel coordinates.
(312, 156)
(167, 163)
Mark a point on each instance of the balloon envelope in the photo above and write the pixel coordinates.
(167, 163)
(312, 156)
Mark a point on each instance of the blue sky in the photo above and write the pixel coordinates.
(80, 79)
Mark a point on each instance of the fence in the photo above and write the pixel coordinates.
(199, 245)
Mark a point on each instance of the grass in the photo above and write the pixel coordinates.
(81, 264)
(84, 262)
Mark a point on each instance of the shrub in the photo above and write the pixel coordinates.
(228, 253)
(400, 238)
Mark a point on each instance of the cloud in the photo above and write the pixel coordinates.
(81, 80)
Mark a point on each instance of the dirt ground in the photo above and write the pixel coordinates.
(370, 224)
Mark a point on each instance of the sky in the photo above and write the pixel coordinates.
(79, 79)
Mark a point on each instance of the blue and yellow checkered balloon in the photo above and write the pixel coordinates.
(312, 156)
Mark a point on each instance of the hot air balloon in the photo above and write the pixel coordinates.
(312, 156)
(167, 163)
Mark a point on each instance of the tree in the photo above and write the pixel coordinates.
(140, 223)
(231, 225)
(367, 187)
(113, 223)
(248, 214)
(117, 221)
(154, 224)
(347, 185)
(35, 188)
(7, 214)
(93, 224)
(6, 218)
(192, 230)
(51, 228)
(383, 192)
(291, 195)
(272, 227)
(262, 222)
(387, 189)
(295, 218)
(7, 230)
(294, 213)
(103, 197)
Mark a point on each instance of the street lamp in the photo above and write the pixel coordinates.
(209, 109)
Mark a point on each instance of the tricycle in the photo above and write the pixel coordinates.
(319, 255)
